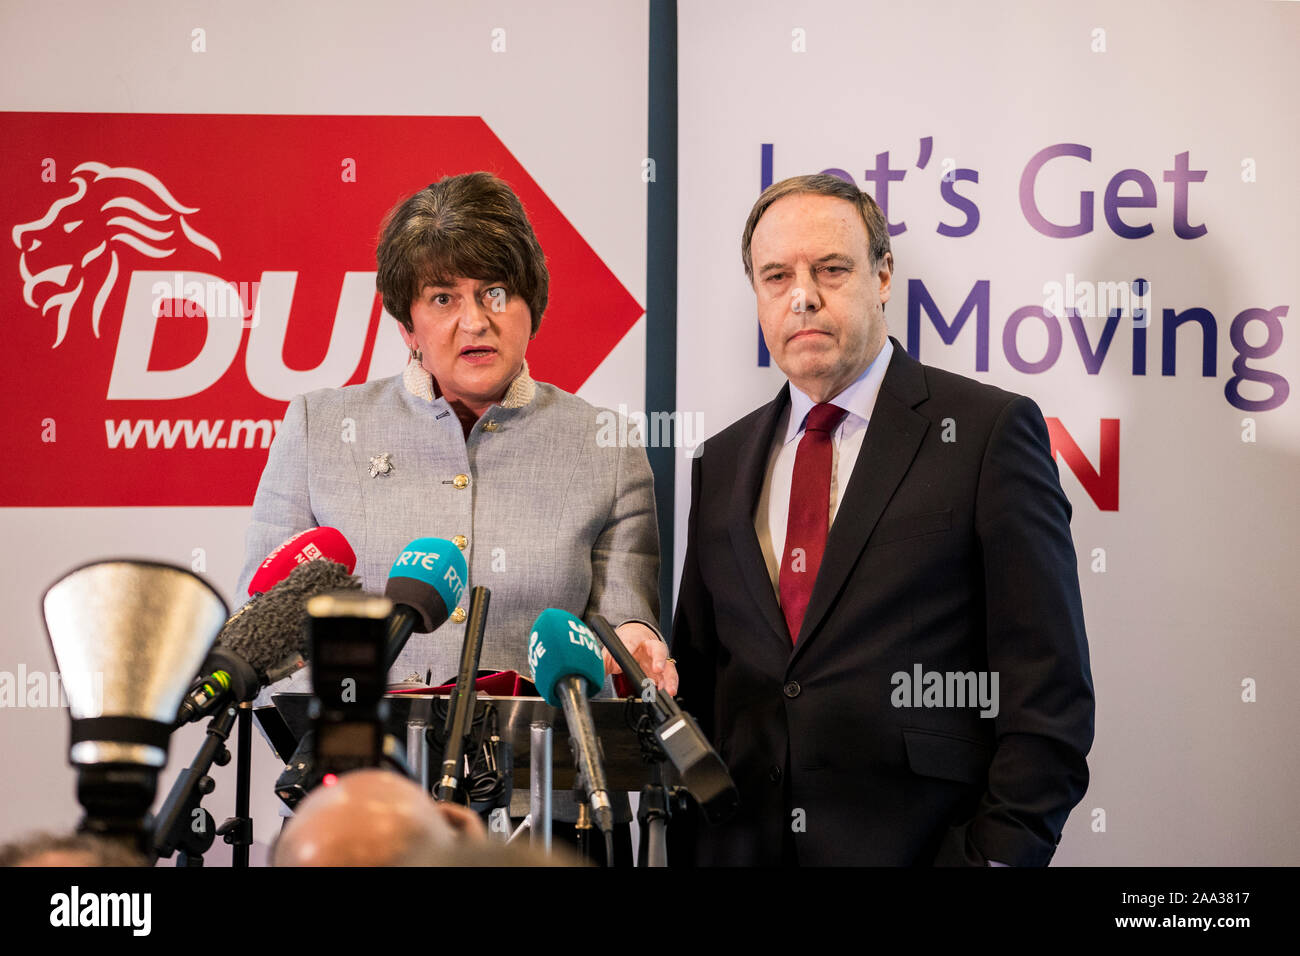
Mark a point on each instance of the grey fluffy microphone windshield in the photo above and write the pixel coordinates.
(270, 630)
(265, 640)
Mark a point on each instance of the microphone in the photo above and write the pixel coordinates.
(425, 584)
(702, 770)
(310, 545)
(461, 714)
(230, 672)
(263, 641)
(567, 668)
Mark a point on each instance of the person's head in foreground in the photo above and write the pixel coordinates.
(380, 818)
(74, 849)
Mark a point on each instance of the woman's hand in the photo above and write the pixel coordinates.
(650, 652)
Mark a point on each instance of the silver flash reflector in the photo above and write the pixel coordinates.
(129, 638)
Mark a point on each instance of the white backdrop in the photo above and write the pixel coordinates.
(1197, 595)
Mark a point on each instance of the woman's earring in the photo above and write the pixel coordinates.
(416, 354)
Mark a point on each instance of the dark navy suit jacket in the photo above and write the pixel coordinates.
(951, 550)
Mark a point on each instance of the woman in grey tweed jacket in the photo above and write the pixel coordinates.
(465, 445)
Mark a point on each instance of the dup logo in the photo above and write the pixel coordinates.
(172, 281)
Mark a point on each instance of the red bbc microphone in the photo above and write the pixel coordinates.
(304, 546)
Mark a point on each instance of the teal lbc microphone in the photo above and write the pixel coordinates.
(568, 667)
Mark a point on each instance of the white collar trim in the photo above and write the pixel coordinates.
(419, 383)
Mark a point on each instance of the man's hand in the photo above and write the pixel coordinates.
(650, 652)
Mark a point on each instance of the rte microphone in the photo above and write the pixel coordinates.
(702, 770)
(568, 667)
(264, 640)
(425, 584)
(461, 713)
(310, 545)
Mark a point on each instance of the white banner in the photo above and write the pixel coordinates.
(1033, 159)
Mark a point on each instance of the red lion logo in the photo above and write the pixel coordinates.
(80, 234)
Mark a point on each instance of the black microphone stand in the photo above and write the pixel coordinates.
(238, 830)
(657, 798)
(653, 815)
(181, 823)
(175, 827)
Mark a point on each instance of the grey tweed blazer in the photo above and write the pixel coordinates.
(551, 516)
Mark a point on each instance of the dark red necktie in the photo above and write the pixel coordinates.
(810, 505)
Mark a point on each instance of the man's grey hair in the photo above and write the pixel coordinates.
(821, 184)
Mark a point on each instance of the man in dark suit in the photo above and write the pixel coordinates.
(879, 622)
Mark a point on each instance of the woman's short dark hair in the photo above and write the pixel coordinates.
(470, 226)
(822, 184)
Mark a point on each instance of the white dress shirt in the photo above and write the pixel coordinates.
(773, 511)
